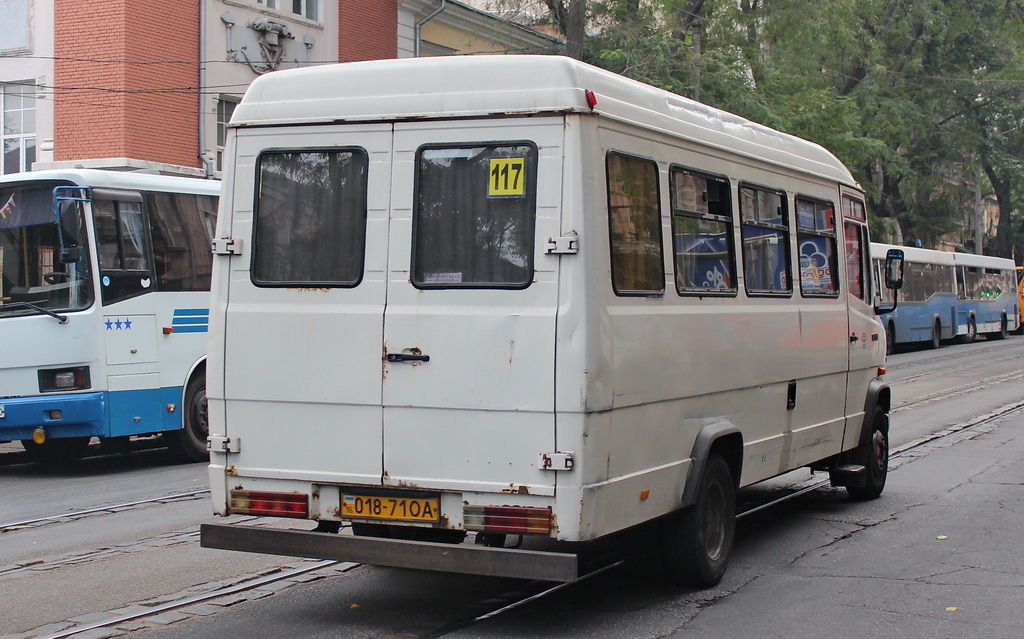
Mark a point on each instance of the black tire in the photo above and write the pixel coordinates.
(874, 456)
(890, 338)
(189, 443)
(972, 333)
(1002, 332)
(936, 335)
(57, 451)
(697, 541)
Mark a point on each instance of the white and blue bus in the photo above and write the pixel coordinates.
(947, 296)
(104, 309)
(987, 302)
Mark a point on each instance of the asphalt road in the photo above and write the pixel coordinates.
(938, 555)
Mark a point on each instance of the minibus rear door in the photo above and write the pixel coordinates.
(469, 329)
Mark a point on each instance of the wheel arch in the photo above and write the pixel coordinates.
(719, 438)
(878, 399)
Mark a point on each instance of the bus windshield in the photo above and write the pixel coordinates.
(34, 277)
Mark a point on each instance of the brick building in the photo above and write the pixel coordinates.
(123, 84)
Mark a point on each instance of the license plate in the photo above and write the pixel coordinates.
(390, 508)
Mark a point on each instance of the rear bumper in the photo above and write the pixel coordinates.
(396, 553)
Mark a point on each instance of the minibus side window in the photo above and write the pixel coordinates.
(310, 219)
(855, 260)
(765, 241)
(634, 215)
(473, 226)
(816, 239)
(702, 239)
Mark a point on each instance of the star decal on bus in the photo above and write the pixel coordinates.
(118, 324)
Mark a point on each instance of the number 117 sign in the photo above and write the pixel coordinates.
(507, 177)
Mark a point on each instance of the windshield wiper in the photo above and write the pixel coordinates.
(63, 319)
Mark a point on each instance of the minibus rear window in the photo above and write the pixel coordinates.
(310, 226)
(475, 216)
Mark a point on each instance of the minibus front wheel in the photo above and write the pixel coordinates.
(873, 454)
(696, 541)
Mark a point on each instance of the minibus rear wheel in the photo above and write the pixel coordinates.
(696, 542)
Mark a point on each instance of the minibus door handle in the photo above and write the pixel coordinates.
(853, 338)
(407, 357)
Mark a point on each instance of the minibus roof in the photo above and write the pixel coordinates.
(496, 85)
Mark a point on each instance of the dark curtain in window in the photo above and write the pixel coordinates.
(475, 217)
(310, 227)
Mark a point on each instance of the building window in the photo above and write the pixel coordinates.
(225, 108)
(305, 8)
(19, 133)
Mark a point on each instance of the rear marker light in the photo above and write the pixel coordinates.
(251, 502)
(507, 519)
(591, 99)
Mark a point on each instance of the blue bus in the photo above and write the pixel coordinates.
(949, 296)
(987, 301)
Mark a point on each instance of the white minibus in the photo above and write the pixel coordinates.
(508, 298)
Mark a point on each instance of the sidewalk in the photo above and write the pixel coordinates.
(940, 554)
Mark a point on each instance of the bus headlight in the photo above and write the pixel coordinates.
(64, 379)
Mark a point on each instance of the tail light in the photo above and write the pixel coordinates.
(507, 519)
(252, 502)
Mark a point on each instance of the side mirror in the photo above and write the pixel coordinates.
(70, 216)
(893, 278)
(70, 255)
(894, 269)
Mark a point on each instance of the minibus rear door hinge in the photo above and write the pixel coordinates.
(565, 245)
(556, 461)
(226, 246)
(219, 444)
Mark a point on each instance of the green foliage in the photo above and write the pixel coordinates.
(910, 95)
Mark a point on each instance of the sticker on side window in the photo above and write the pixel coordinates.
(507, 177)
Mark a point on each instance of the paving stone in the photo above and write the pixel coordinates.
(202, 609)
(129, 610)
(51, 628)
(99, 633)
(166, 618)
(92, 617)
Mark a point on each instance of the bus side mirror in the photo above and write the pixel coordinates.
(70, 229)
(893, 278)
(70, 255)
(894, 269)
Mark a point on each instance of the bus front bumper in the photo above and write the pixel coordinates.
(78, 415)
